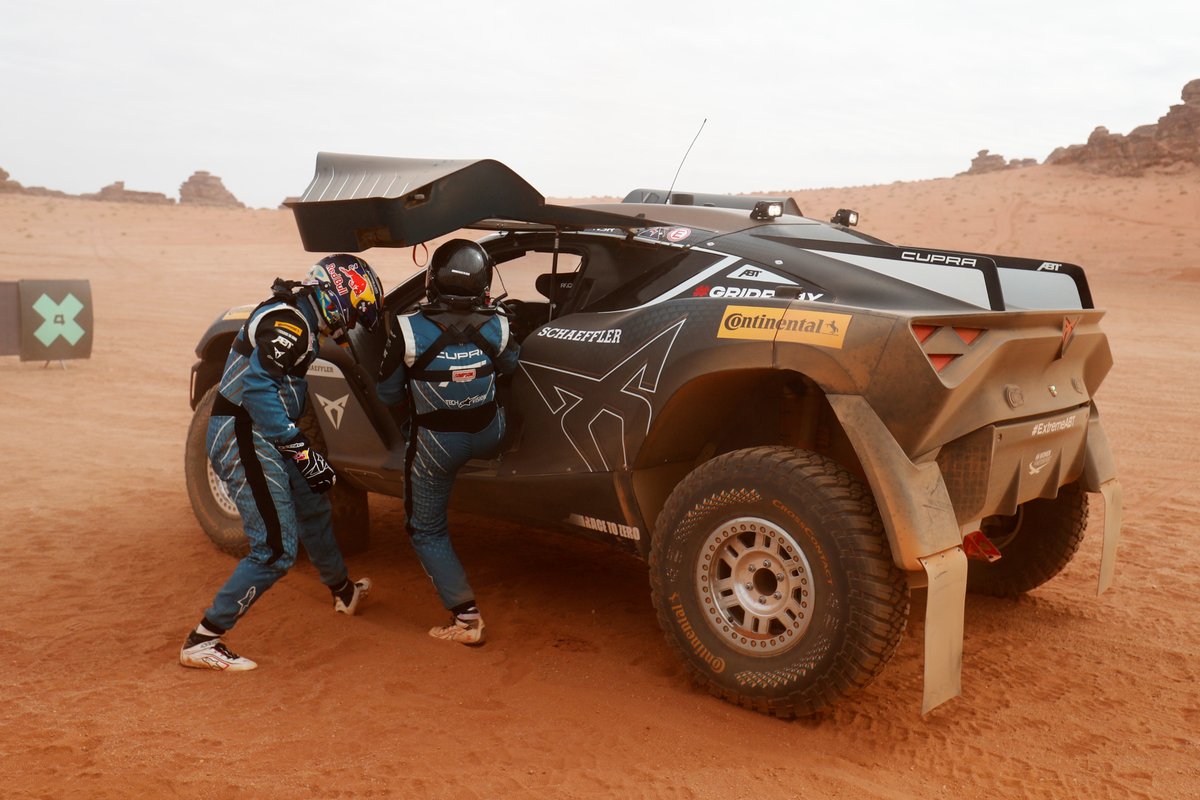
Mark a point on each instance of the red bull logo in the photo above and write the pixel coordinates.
(358, 284)
(338, 284)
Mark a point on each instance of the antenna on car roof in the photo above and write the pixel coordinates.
(667, 199)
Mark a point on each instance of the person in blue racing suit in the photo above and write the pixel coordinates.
(273, 473)
(444, 360)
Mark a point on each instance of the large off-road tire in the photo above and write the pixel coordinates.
(1035, 544)
(218, 515)
(773, 580)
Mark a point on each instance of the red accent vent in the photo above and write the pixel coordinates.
(923, 332)
(939, 346)
(939, 361)
(968, 335)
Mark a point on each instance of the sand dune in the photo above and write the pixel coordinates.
(105, 568)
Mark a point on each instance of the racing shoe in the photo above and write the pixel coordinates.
(213, 654)
(463, 631)
(362, 587)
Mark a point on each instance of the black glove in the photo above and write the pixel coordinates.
(312, 464)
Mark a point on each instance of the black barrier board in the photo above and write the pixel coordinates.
(56, 320)
(10, 313)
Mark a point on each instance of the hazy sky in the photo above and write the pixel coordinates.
(578, 98)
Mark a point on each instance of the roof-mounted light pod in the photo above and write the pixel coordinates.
(767, 209)
(846, 217)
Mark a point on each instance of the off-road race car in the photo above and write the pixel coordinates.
(794, 423)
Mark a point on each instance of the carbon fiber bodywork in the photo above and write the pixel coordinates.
(957, 385)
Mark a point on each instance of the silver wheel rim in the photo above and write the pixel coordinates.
(755, 586)
(220, 492)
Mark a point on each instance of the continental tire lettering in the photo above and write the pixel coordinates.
(803, 326)
(714, 662)
(812, 537)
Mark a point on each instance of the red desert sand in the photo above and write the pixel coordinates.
(104, 569)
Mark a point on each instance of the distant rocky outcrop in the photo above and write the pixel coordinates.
(994, 162)
(203, 189)
(117, 193)
(8, 186)
(1174, 139)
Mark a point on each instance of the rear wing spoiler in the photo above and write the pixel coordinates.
(356, 202)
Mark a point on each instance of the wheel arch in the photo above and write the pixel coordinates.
(719, 412)
(212, 350)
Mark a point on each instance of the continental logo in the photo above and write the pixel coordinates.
(287, 326)
(786, 325)
(715, 662)
(812, 537)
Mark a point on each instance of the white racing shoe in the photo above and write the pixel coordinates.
(463, 631)
(362, 587)
(213, 654)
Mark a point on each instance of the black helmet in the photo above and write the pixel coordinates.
(459, 274)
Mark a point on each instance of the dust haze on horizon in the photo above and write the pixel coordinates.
(580, 101)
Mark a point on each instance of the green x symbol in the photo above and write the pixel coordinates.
(59, 319)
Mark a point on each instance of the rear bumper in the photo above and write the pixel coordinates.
(997, 468)
(927, 503)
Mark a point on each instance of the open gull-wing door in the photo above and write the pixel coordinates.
(356, 202)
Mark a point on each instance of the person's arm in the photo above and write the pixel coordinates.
(506, 362)
(393, 382)
(280, 343)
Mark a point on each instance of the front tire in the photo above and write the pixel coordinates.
(218, 515)
(774, 582)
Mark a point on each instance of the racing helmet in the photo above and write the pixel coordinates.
(347, 292)
(459, 274)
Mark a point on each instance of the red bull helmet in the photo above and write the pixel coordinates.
(347, 293)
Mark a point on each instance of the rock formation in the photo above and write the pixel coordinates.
(8, 186)
(1174, 139)
(994, 162)
(203, 189)
(117, 193)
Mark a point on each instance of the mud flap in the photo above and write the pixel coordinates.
(1110, 490)
(944, 610)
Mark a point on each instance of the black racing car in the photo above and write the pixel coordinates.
(794, 423)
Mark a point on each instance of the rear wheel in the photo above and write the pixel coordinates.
(215, 509)
(1035, 544)
(774, 582)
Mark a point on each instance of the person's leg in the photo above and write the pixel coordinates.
(258, 482)
(432, 461)
(254, 473)
(314, 518)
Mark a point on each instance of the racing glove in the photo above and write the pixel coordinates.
(312, 465)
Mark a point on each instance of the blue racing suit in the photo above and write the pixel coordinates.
(262, 394)
(445, 364)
